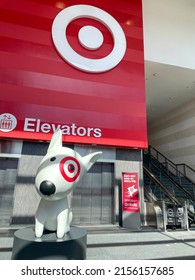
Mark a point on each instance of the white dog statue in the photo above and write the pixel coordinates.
(58, 174)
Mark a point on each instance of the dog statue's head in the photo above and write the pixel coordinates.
(61, 169)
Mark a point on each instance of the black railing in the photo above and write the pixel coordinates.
(171, 179)
(170, 196)
(181, 171)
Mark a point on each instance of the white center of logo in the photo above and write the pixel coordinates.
(89, 37)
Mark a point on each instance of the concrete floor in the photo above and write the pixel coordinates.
(115, 243)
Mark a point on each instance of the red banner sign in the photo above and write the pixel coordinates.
(130, 192)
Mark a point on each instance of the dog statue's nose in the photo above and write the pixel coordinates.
(47, 188)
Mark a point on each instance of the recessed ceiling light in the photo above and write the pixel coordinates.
(128, 22)
(60, 5)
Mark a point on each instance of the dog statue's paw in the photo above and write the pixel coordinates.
(61, 232)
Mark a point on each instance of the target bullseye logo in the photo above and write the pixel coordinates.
(70, 168)
(89, 37)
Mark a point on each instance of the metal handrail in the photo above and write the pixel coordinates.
(174, 182)
(171, 165)
(185, 167)
(167, 192)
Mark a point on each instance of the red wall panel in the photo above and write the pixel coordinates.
(43, 92)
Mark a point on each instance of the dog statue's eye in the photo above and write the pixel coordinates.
(53, 159)
(71, 168)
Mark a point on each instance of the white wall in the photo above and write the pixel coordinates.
(170, 29)
(174, 134)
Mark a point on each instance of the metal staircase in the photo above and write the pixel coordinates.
(164, 181)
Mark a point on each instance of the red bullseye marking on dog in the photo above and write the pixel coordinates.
(70, 169)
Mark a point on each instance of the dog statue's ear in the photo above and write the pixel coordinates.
(56, 141)
(89, 160)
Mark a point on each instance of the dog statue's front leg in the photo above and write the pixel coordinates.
(63, 225)
(39, 222)
(39, 227)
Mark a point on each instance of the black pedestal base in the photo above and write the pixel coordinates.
(71, 247)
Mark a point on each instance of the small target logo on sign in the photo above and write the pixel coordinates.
(89, 37)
